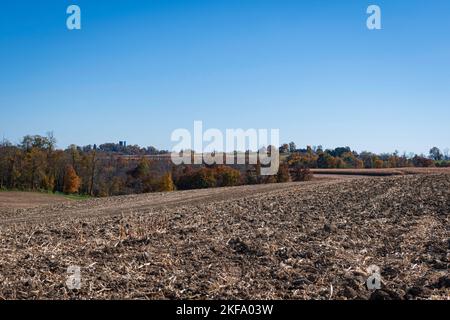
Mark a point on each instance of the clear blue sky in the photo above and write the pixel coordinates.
(140, 69)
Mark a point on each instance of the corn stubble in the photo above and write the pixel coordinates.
(291, 241)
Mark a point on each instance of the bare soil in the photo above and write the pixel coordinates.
(381, 172)
(310, 240)
(13, 199)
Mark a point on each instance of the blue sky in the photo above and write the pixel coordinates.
(140, 69)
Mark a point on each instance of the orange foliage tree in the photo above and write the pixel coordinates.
(71, 180)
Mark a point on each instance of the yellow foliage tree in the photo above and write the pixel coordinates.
(166, 183)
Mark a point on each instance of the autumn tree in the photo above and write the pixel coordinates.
(421, 161)
(283, 173)
(142, 169)
(302, 174)
(166, 183)
(33, 165)
(227, 176)
(196, 179)
(326, 161)
(71, 180)
(140, 179)
(351, 160)
(250, 176)
(93, 163)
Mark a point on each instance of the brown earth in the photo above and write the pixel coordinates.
(310, 240)
(381, 172)
(12, 199)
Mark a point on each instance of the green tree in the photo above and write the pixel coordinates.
(436, 154)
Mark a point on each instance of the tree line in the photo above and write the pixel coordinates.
(344, 158)
(116, 169)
